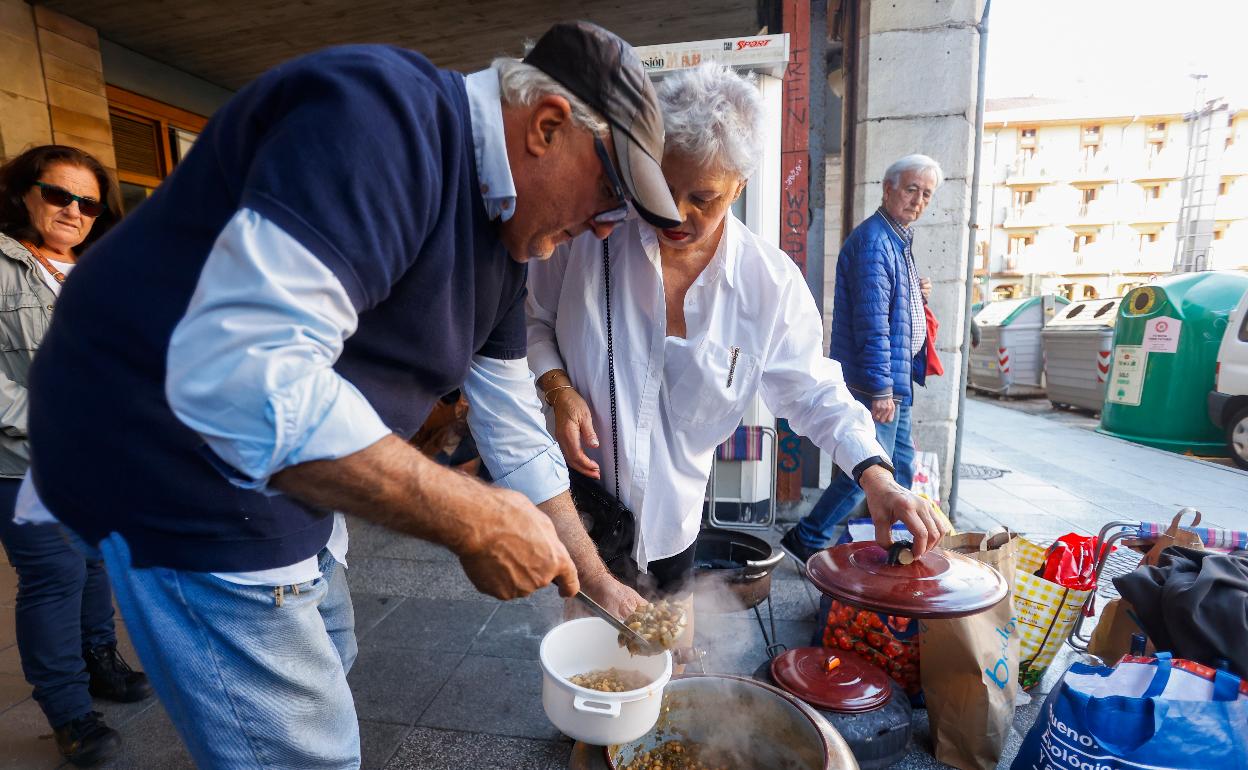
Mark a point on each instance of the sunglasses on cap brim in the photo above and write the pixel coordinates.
(62, 198)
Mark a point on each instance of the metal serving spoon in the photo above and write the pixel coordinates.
(650, 648)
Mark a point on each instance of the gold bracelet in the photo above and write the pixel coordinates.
(556, 389)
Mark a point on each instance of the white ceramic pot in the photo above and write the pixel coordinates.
(600, 718)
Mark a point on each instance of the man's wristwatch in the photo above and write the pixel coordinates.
(861, 467)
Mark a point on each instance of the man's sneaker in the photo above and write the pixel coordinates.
(795, 548)
(87, 741)
(112, 678)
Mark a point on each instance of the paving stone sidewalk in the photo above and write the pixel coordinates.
(448, 679)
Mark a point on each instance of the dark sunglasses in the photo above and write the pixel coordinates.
(620, 212)
(59, 196)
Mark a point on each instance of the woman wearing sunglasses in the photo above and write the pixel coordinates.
(703, 317)
(54, 202)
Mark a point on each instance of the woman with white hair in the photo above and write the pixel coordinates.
(657, 340)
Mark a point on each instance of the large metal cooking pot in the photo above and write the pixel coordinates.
(732, 570)
(759, 725)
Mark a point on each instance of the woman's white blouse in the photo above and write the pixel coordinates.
(677, 399)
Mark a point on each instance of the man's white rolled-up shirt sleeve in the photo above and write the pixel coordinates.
(250, 365)
(507, 423)
(809, 389)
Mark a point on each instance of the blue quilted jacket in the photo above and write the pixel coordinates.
(871, 314)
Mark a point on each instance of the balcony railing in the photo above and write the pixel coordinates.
(1235, 158)
(1026, 215)
(1096, 166)
(1154, 257)
(1168, 164)
(1027, 170)
(1163, 209)
(1096, 212)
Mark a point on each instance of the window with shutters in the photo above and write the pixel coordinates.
(149, 138)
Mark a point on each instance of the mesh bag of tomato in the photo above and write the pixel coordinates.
(888, 641)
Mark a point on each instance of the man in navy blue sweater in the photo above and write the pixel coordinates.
(345, 244)
(879, 336)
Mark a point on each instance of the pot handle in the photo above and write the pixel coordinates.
(601, 708)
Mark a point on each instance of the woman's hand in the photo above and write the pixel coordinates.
(574, 424)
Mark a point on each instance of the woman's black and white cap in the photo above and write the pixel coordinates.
(604, 72)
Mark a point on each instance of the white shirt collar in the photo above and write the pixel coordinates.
(727, 254)
(485, 106)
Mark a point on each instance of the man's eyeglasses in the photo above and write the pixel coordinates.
(59, 196)
(620, 212)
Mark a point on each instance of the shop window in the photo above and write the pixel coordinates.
(150, 138)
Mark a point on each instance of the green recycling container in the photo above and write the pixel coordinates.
(1165, 354)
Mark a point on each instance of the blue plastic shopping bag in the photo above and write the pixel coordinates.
(1144, 714)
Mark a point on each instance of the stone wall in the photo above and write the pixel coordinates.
(917, 94)
(53, 89)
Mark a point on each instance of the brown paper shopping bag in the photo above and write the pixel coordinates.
(1111, 639)
(970, 665)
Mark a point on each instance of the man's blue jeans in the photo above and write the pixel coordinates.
(843, 494)
(63, 606)
(248, 679)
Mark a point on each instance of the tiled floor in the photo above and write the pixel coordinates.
(448, 679)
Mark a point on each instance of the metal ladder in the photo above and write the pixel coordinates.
(1194, 231)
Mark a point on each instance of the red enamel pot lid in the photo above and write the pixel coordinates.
(941, 584)
(850, 686)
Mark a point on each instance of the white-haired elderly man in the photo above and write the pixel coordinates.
(879, 336)
(703, 316)
(346, 244)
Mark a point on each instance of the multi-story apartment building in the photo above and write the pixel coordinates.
(1084, 201)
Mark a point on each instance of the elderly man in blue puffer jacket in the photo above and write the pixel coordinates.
(879, 335)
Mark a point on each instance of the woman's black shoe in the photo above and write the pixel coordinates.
(87, 741)
(112, 678)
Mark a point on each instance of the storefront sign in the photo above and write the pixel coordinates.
(1161, 335)
(1126, 381)
(763, 53)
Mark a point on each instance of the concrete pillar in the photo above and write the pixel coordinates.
(917, 65)
(74, 75)
(53, 89)
(24, 120)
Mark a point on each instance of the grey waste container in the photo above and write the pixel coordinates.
(1009, 360)
(1078, 351)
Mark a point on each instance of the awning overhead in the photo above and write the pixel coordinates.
(229, 42)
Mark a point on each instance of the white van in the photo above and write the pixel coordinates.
(1228, 401)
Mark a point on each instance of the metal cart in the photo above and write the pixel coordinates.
(1111, 564)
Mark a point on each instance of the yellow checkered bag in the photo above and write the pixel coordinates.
(1046, 613)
